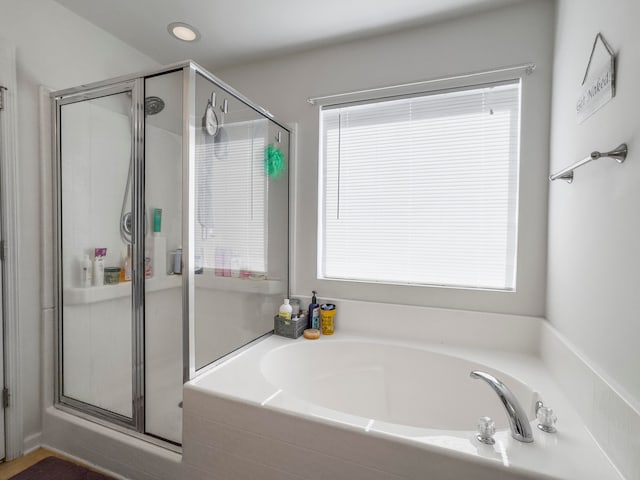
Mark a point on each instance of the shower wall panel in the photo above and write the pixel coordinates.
(241, 270)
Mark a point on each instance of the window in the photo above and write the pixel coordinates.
(422, 189)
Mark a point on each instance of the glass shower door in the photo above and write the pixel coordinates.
(95, 201)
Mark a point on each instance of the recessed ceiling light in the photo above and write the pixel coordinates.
(183, 31)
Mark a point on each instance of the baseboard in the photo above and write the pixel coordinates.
(84, 462)
(108, 449)
(610, 417)
(32, 442)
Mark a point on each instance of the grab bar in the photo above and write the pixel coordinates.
(620, 154)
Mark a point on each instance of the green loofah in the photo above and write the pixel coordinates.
(273, 161)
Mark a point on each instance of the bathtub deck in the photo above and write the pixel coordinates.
(237, 425)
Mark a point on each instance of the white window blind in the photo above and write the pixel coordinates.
(422, 189)
(231, 199)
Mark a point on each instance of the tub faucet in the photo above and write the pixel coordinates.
(518, 421)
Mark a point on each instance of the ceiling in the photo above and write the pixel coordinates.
(237, 31)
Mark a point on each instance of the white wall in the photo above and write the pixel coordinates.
(502, 37)
(58, 49)
(594, 257)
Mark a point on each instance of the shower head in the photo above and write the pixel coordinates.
(153, 105)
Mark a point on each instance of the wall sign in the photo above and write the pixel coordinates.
(598, 84)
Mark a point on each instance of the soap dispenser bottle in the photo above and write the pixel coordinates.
(314, 312)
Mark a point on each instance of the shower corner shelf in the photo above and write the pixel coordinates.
(82, 296)
(242, 285)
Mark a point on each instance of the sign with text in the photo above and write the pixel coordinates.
(598, 84)
(596, 92)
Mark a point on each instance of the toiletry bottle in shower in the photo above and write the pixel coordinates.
(227, 264)
(86, 272)
(125, 270)
(314, 312)
(159, 246)
(198, 261)
(177, 261)
(148, 268)
(98, 266)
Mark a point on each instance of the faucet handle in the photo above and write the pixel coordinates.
(547, 419)
(486, 430)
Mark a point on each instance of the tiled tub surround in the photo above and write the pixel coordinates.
(238, 424)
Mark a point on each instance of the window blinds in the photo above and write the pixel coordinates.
(422, 189)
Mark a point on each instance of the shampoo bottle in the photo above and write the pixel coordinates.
(98, 266)
(314, 312)
(285, 310)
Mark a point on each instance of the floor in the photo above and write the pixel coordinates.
(9, 469)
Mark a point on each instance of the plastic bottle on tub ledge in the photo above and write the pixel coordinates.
(327, 318)
(314, 312)
(285, 310)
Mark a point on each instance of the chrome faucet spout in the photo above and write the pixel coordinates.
(518, 421)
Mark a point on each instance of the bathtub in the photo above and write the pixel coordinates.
(358, 407)
(390, 383)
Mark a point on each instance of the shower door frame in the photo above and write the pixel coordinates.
(135, 83)
(135, 87)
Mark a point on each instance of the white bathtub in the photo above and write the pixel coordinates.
(352, 407)
(390, 383)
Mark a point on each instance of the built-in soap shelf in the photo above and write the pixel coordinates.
(82, 296)
(234, 284)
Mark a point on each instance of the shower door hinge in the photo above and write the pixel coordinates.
(5, 397)
(2, 89)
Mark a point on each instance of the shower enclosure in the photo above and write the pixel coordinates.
(171, 238)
